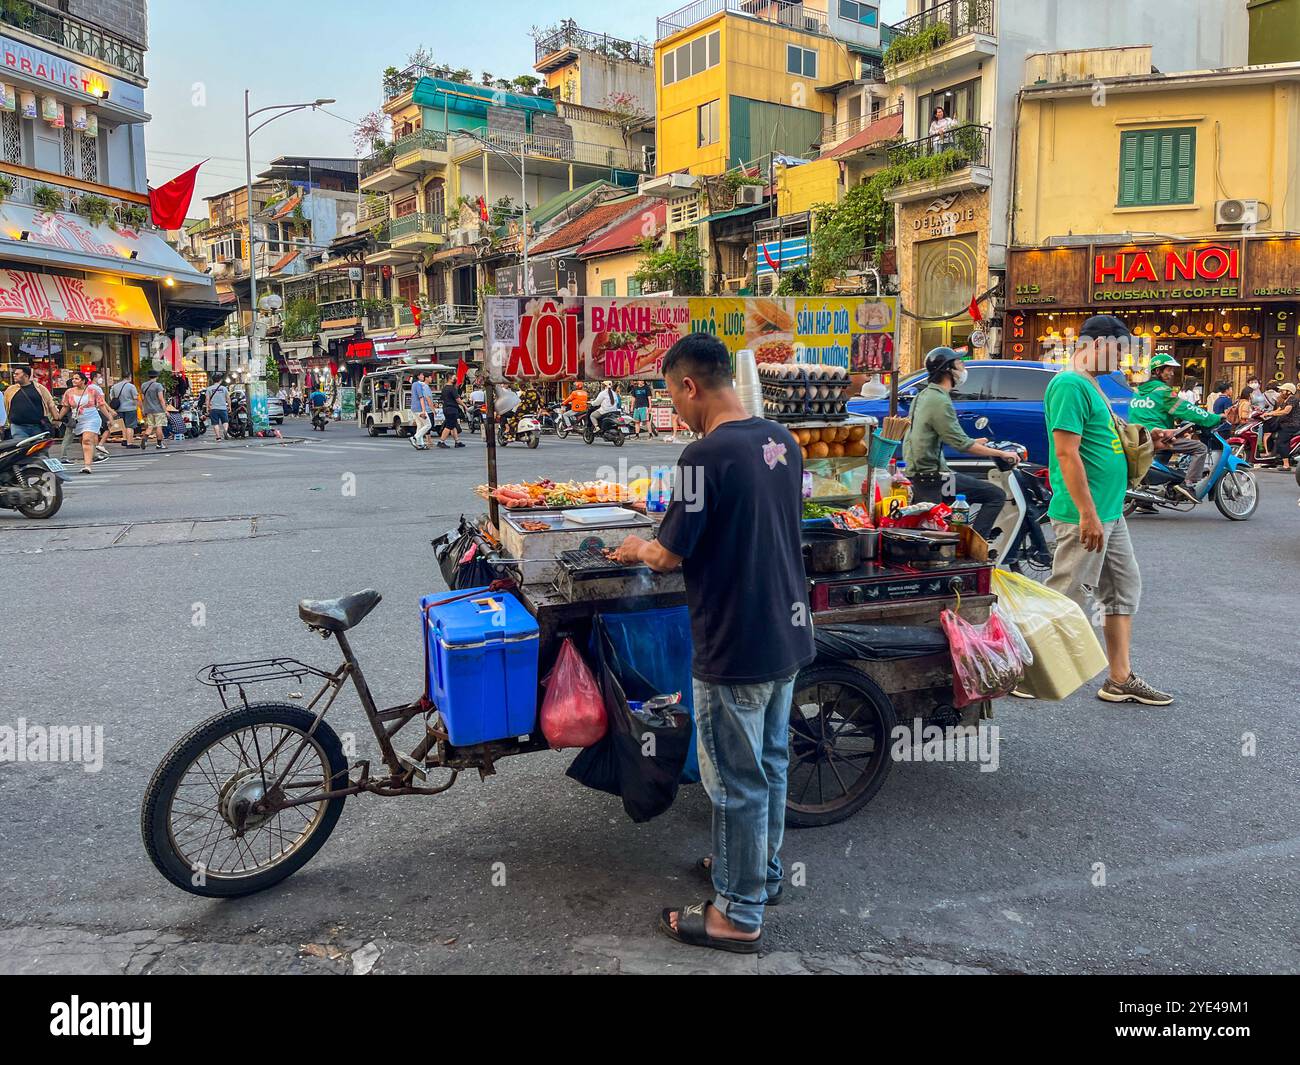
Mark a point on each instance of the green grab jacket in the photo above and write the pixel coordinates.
(1156, 405)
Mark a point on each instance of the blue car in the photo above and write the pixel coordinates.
(1002, 399)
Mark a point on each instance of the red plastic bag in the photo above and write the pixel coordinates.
(985, 661)
(573, 712)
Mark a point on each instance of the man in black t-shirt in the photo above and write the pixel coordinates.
(734, 528)
(641, 405)
(450, 415)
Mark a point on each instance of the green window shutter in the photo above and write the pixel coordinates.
(633, 287)
(1157, 166)
(607, 288)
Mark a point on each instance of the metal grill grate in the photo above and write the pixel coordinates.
(89, 158)
(593, 563)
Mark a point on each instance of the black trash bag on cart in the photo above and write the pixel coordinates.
(453, 546)
(619, 764)
(878, 643)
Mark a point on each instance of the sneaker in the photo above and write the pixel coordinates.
(85, 469)
(416, 444)
(442, 445)
(1133, 690)
(101, 454)
(459, 444)
(161, 447)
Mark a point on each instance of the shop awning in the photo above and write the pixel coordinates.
(70, 241)
(735, 212)
(39, 297)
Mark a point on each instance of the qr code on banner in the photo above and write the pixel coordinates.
(505, 330)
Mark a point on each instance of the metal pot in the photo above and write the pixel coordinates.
(831, 550)
(899, 545)
(869, 543)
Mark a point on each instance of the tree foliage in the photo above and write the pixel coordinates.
(679, 270)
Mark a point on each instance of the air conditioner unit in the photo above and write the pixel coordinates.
(766, 284)
(749, 195)
(461, 239)
(1236, 214)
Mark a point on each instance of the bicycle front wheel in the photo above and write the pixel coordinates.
(214, 819)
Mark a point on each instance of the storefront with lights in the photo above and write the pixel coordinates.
(1226, 309)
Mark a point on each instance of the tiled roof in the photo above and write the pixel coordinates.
(284, 261)
(882, 129)
(588, 223)
(287, 207)
(628, 233)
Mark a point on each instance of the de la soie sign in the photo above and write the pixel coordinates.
(549, 337)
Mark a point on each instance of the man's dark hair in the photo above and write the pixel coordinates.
(153, 374)
(701, 357)
(21, 366)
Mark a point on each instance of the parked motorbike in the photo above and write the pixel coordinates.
(615, 427)
(31, 483)
(528, 430)
(319, 419)
(1228, 481)
(196, 422)
(1024, 543)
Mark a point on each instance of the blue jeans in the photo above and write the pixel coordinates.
(22, 432)
(742, 735)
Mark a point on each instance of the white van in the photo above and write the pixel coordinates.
(384, 397)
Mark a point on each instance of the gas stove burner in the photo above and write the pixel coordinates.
(885, 582)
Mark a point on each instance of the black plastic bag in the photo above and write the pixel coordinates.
(452, 546)
(878, 643)
(642, 754)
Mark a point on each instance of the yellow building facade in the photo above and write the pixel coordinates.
(732, 88)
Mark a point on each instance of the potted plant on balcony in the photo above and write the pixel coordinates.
(8, 186)
(47, 198)
(95, 209)
(134, 215)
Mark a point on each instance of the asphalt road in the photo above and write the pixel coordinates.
(996, 871)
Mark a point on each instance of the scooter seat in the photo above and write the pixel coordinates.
(336, 615)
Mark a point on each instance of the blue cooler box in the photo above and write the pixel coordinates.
(482, 665)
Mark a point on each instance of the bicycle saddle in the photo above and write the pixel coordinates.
(335, 615)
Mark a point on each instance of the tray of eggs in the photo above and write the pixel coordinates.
(795, 391)
(832, 441)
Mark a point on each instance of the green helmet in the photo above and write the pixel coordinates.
(1159, 362)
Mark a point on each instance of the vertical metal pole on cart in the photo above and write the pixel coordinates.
(489, 427)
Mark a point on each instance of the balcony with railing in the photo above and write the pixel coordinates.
(94, 202)
(955, 33)
(836, 133)
(951, 161)
(417, 230)
(393, 165)
(561, 149)
(562, 43)
(336, 313)
(75, 35)
(781, 12)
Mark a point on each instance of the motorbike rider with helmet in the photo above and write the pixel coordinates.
(934, 424)
(1156, 406)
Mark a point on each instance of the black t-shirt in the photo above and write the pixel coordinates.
(735, 520)
(640, 396)
(26, 408)
(449, 396)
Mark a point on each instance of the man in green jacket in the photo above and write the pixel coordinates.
(934, 423)
(1156, 405)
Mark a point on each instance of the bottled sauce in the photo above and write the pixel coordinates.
(660, 492)
(960, 512)
(902, 484)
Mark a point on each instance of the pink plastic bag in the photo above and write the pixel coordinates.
(573, 712)
(985, 661)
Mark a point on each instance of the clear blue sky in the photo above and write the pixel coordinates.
(203, 55)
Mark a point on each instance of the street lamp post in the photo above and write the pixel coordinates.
(282, 110)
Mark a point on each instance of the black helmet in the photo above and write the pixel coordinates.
(940, 361)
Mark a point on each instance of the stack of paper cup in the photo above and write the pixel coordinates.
(747, 384)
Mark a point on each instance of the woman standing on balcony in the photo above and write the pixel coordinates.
(941, 127)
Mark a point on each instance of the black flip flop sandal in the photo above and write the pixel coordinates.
(704, 868)
(691, 931)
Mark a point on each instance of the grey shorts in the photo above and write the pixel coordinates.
(1110, 575)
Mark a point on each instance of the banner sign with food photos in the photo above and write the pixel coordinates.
(596, 337)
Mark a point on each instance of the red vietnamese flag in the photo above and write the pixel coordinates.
(462, 370)
(974, 309)
(169, 204)
(482, 209)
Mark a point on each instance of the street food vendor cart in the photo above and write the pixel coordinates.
(271, 777)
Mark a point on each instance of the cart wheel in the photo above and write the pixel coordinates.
(211, 784)
(370, 427)
(839, 744)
